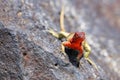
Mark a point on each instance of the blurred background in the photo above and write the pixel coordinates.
(100, 19)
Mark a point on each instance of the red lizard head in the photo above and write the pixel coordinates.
(79, 36)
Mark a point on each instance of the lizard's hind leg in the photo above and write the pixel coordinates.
(87, 53)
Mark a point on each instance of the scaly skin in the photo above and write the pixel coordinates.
(74, 41)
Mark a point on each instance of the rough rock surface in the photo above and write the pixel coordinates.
(29, 52)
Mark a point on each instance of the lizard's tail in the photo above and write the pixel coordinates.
(62, 19)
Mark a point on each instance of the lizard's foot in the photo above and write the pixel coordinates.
(58, 35)
(55, 34)
(63, 53)
(91, 62)
(63, 50)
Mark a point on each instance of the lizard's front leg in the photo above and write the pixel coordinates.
(55, 34)
(87, 53)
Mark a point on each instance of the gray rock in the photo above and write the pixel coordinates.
(29, 52)
(22, 59)
(1, 25)
(9, 56)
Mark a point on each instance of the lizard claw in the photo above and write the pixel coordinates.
(63, 53)
(55, 34)
(92, 63)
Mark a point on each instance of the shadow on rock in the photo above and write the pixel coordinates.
(72, 55)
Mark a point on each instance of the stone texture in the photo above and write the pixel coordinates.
(29, 52)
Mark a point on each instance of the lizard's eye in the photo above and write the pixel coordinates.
(76, 36)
